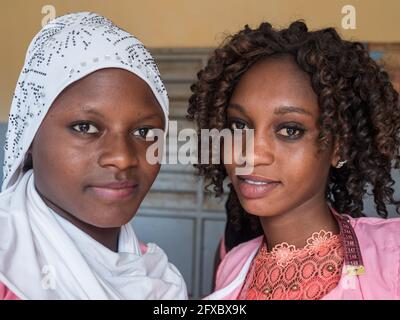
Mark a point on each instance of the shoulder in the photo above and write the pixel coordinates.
(384, 233)
(235, 260)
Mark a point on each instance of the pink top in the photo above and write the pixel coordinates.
(289, 273)
(378, 242)
(6, 294)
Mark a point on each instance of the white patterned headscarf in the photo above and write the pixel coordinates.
(65, 50)
(42, 255)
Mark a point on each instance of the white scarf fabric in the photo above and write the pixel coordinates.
(43, 256)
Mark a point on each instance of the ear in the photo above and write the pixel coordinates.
(335, 154)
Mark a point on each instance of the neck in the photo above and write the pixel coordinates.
(297, 225)
(108, 237)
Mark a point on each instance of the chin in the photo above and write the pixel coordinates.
(108, 224)
(257, 207)
(116, 220)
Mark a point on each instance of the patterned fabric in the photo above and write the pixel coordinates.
(288, 273)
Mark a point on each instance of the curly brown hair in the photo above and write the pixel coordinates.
(358, 105)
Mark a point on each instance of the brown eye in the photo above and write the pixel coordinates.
(85, 127)
(290, 132)
(237, 125)
(144, 133)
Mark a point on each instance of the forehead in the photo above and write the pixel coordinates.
(111, 80)
(273, 82)
(111, 87)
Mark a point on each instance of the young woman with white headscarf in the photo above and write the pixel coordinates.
(75, 171)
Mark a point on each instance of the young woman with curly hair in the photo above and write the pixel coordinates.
(326, 123)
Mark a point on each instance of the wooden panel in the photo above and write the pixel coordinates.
(178, 90)
(170, 200)
(167, 181)
(176, 69)
(178, 109)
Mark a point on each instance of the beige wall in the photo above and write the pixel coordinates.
(187, 23)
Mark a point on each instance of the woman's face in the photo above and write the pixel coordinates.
(89, 154)
(275, 98)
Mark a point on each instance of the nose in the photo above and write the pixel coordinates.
(118, 151)
(263, 149)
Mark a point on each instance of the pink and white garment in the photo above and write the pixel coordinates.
(41, 255)
(370, 243)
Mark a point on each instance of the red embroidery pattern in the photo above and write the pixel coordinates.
(287, 273)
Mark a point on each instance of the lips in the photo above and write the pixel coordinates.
(116, 190)
(254, 187)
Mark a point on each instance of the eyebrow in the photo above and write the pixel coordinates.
(237, 107)
(87, 109)
(290, 109)
(152, 116)
(278, 111)
(90, 110)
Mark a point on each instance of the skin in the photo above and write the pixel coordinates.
(95, 134)
(275, 98)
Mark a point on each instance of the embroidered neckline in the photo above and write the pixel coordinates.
(284, 253)
(287, 272)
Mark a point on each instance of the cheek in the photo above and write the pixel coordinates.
(303, 163)
(148, 171)
(63, 159)
(59, 164)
